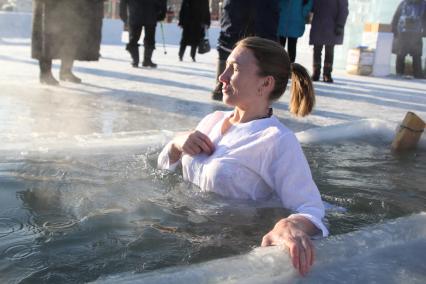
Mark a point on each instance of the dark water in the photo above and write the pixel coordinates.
(73, 217)
(369, 180)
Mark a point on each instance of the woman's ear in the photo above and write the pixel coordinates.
(269, 83)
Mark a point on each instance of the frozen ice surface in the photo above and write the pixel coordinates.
(391, 252)
(115, 98)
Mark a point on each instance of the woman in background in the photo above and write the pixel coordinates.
(68, 30)
(194, 18)
(293, 16)
(327, 28)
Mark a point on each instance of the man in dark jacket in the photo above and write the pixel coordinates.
(138, 14)
(68, 30)
(408, 27)
(327, 28)
(240, 19)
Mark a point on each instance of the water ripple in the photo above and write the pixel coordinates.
(19, 251)
(59, 225)
(9, 226)
(24, 255)
(53, 223)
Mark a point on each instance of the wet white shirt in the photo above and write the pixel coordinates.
(253, 160)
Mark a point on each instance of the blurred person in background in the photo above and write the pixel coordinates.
(240, 19)
(138, 15)
(194, 19)
(408, 27)
(327, 30)
(68, 30)
(291, 26)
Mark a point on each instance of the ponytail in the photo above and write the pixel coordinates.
(302, 91)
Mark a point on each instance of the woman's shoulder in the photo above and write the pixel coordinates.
(273, 130)
(211, 119)
(281, 138)
(275, 125)
(217, 115)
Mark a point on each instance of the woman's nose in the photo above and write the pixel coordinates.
(224, 77)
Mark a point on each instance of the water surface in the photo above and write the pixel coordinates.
(72, 216)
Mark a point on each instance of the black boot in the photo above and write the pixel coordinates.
(181, 51)
(134, 53)
(46, 76)
(147, 55)
(66, 74)
(217, 92)
(193, 52)
(326, 75)
(417, 67)
(316, 72)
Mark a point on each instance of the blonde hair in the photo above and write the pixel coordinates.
(273, 60)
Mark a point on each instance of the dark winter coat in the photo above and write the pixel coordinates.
(242, 18)
(67, 29)
(194, 15)
(142, 12)
(328, 22)
(406, 41)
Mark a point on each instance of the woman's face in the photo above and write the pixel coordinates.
(241, 82)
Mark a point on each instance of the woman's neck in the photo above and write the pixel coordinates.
(245, 115)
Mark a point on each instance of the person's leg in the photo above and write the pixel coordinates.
(292, 42)
(317, 62)
(400, 64)
(417, 67)
(149, 46)
(66, 71)
(183, 43)
(133, 46)
(220, 67)
(193, 51)
(181, 51)
(46, 76)
(328, 64)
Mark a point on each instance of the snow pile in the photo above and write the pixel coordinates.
(360, 129)
(350, 130)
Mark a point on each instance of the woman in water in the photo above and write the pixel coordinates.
(248, 153)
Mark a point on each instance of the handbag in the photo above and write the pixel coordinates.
(204, 44)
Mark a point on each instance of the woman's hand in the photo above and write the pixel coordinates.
(191, 143)
(293, 233)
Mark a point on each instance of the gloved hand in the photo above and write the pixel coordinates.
(339, 30)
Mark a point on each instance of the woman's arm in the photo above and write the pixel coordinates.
(294, 233)
(175, 152)
(191, 143)
(286, 170)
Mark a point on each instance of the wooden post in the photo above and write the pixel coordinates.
(409, 132)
